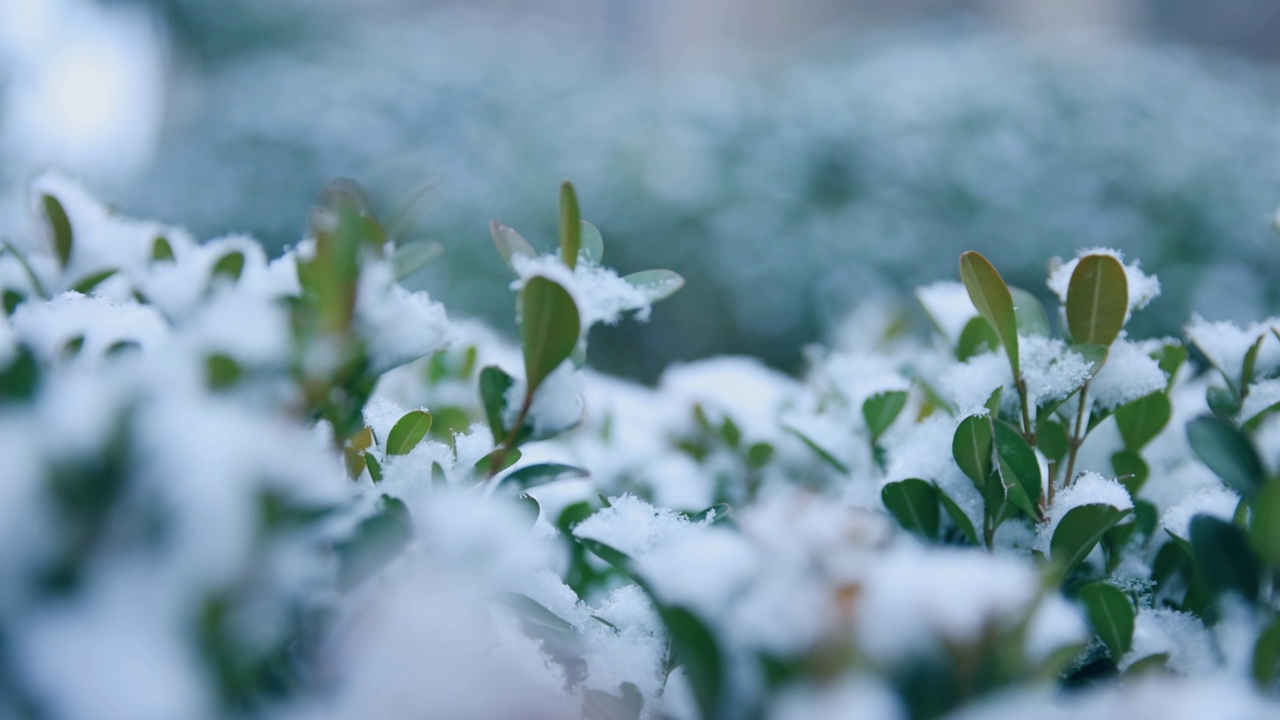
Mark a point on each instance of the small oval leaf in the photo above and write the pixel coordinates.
(991, 296)
(592, 249)
(1111, 615)
(1032, 318)
(532, 475)
(971, 448)
(510, 243)
(958, 516)
(59, 227)
(549, 328)
(1079, 531)
(881, 409)
(408, 432)
(1097, 300)
(1142, 419)
(914, 504)
(570, 225)
(1228, 453)
(976, 338)
(411, 257)
(655, 284)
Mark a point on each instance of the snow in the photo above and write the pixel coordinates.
(601, 296)
(1143, 288)
(1051, 370)
(1090, 488)
(949, 307)
(1128, 374)
(557, 406)
(1226, 344)
(1262, 395)
(1181, 635)
(850, 697)
(398, 325)
(634, 527)
(1216, 501)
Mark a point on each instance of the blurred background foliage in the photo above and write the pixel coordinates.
(790, 159)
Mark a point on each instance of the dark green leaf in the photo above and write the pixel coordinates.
(1266, 656)
(229, 266)
(655, 284)
(1018, 464)
(976, 338)
(494, 384)
(59, 227)
(12, 299)
(570, 225)
(484, 466)
(1032, 319)
(1223, 402)
(1097, 300)
(914, 503)
(532, 475)
(991, 296)
(1141, 420)
(881, 409)
(21, 378)
(592, 249)
(1264, 530)
(730, 433)
(377, 540)
(1052, 440)
(161, 250)
(510, 243)
(1131, 470)
(614, 557)
(958, 516)
(1079, 531)
(86, 284)
(1224, 560)
(374, 467)
(971, 448)
(221, 371)
(549, 328)
(1228, 453)
(759, 455)
(694, 648)
(1111, 615)
(408, 432)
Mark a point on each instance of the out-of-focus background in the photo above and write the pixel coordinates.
(791, 158)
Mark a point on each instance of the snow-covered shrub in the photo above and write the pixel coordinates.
(237, 486)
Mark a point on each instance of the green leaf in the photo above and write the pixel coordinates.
(1111, 615)
(494, 384)
(607, 553)
(1131, 470)
(1097, 300)
(715, 513)
(60, 227)
(971, 448)
(377, 540)
(1266, 656)
(411, 257)
(570, 225)
(914, 503)
(976, 338)
(592, 249)
(229, 266)
(759, 455)
(694, 648)
(1079, 531)
(819, 451)
(1159, 662)
(655, 284)
(1170, 358)
(21, 378)
(12, 299)
(1223, 402)
(161, 250)
(408, 432)
(485, 464)
(1032, 319)
(532, 475)
(374, 467)
(1250, 362)
(510, 243)
(1264, 531)
(86, 284)
(221, 371)
(881, 409)
(1052, 440)
(1228, 453)
(1018, 463)
(730, 433)
(1224, 560)
(958, 516)
(991, 296)
(549, 328)
(30, 272)
(1141, 420)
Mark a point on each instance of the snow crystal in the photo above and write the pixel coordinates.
(1143, 288)
(1262, 395)
(1216, 501)
(1181, 635)
(949, 306)
(601, 296)
(398, 325)
(1088, 489)
(912, 598)
(1051, 370)
(633, 527)
(1226, 344)
(1128, 374)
